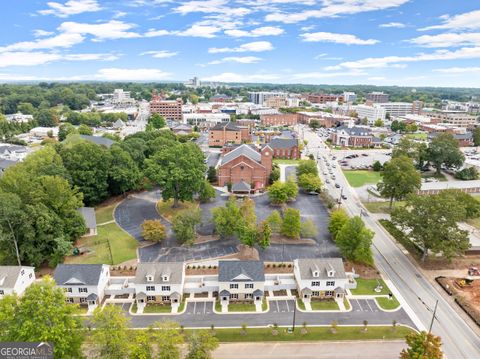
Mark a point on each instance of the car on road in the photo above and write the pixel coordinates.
(365, 154)
(334, 165)
(333, 177)
(327, 181)
(344, 197)
(325, 173)
(337, 185)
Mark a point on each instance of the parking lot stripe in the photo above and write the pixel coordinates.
(367, 301)
(359, 310)
(278, 308)
(288, 308)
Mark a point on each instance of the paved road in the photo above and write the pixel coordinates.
(308, 350)
(201, 315)
(459, 339)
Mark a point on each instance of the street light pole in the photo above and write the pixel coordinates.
(294, 313)
(433, 317)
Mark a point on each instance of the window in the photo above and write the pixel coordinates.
(150, 298)
(82, 290)
(315, 294)
(150, 288)
(67, 290)
(234, 286)
(70, 300)
(165, 298)
(329, 293)
(30, 275)
(248, 296)
(315, 284)
(165, 278)
(249, 286)
(83, 300)
(165, 288)
(234, 296)
(2, 292)
(330, 283)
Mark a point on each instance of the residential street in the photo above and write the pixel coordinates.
(459, 339)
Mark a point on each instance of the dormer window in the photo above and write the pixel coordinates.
(166, 278)
(331, 273)
(149, 278)
(316, 273)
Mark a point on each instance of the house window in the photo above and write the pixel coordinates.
(70, 300)
(249, 286)
(331, 283)
(67, 290)
(165, 298)
(329, 293)
(150, 298)
(248, 296)
(2, 292)
(315, 284)
(82, 290)
(165, 278)
(234, 296)
(83, 300)
(234, 286)
(150, 288)
(315, 294)
(22, 272)
(30, 275)
(165, 288)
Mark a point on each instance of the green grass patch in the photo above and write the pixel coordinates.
(346, 303)
(157, 308)
(313, 334)
(165, 209)
(264, 305)
(105, 213)
(281, 161)
(475, 222)
(388, 304)
(301, 304)
(241, 307)
(382, 206)
(361, 177)
(417, 136)
(367, 287)
(134, 307)
(324, 305)
(122, 245)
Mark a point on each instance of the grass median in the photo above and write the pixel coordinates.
(361, 178)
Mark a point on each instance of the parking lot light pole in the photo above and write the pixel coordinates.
(294, 314)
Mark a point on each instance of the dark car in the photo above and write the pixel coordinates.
(344, 197)
(337, 185)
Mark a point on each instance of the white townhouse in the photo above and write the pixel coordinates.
(241, 281)
(83, 283)
(320, 278)
(15, 279)
(159, 283)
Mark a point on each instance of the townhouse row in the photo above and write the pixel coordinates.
(167, 282)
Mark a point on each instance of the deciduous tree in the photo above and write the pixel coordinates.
(337, 219)
(308, 229)
(201, 345)
(354, 241)
(153, 230)
(184, 224)
(310, 182)
(110, 334)
(422, 345)
(206, 193)
(443, 150)
(307, 166)
(291, 223)
(168, 337)
(275, 220)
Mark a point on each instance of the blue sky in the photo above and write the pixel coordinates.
(380, 42)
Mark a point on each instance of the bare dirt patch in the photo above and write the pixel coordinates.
(363, 270)
(205, 239)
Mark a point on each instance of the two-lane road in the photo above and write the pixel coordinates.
(459, 340)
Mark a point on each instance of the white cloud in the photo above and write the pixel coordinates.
(381, 62)
(259, 31)
(155, 33)
(118, 14)
(333, 8)
(71, 7)
(63, 40)
(113, 29)
(256, 46)
(161, 54)
(234, 77)
(376, 78)
(196, 30)
(397, 25)
(212, 7)
(323, 56)
(458, 70)
(448, 40)
(239, 60)
(346, 39)
(142, 74)
(21, 58)
(469, 20)
(325, 75)
(42, 33)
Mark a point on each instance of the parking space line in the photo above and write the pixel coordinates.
(194, 307)
(278, 308)
(368, 304)
(361, 309)
(204, 307)
(288, 308)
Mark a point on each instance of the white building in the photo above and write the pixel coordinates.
(122, 98)
(371, 113)
(15, 279)
(19, 117)
(260, 97)
(349, 97)
(43, 132)
(396, 109)
(83, 283)
(200, 119)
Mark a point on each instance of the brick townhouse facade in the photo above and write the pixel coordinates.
(228, 132)
(352, 137)
(284, 119)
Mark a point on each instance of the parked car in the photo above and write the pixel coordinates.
(327, 181)
(344, 197)
(333, 177)
(337, 185)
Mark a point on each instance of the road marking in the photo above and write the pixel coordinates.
(204, 307)
(288, 308)
(278, 308)
(194, 307)
(369, 305)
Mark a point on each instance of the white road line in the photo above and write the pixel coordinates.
(288, 307)
(204, 307)
(278, 308)
(361, 309)
(369, 305)
(194, 307)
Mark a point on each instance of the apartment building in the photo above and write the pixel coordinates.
(457, 118)
(15, 279)
(349, 97)
(324, 98)
(378, 97)
(284, 119)
(170, 109)
(371, 113)
(241, 281)
(325, 119)
(228, 132)
(352, 136)
(259, 97)
(397, 109)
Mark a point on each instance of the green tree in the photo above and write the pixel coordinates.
(310, 182)
(26, 108)
(110, 334)
(168, 337)
(140, 347)
(422, 345)
(338, 218)
(206, 193)
(42, 315)
(226, 218)
(378, 122)
(212, 174)
(66, 129)
(467, 174)
(184, 224)
(307, 166)
(201, 345)
(476, 136)
(156, 121)
(377, 166)
(282, 192)
(291, 223)
(46, 118)
(153, 230)
(263, 234)
(178, 170)
(124, 174)
(85, 130)
(443, 150)
(308, 229)
(399, 178)
(274, 175)
(275, 220)
(354, 241)
(430, 222)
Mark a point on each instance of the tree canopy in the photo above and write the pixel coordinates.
(354, 241)
(443, 150)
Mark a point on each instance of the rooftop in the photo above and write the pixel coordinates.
(78, 274)
(241, 271)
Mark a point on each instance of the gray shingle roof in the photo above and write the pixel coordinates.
(102, 141)
(9, 275)
(241, 186)
(78, 274)
(243, 150)
(228, 126)
(88, 214)
(322, 265)
(241, 271)
(173, 269)
(278, 142)
(355, 131)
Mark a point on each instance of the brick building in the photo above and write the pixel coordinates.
(246, 167)
(170, 109)
(325, 119)
(228, 132)
(352, 137)
(324, 98)
(286, 148)
(378, 97)
(284, 119)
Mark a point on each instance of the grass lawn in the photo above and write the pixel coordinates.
(123, 246)
(388, 304)
(301, 304)
(241, 307)
(361, 178)
(313, 333)
(324, 305)
(417, 136)
(346, 303)
(382, 206)
(367, 287)
(165, 209)
(286, 161)
(105, 213)
(157, 308)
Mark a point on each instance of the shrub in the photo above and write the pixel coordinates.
(153, 230)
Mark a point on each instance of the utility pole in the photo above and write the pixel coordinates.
(294, 313)
(433, 317)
